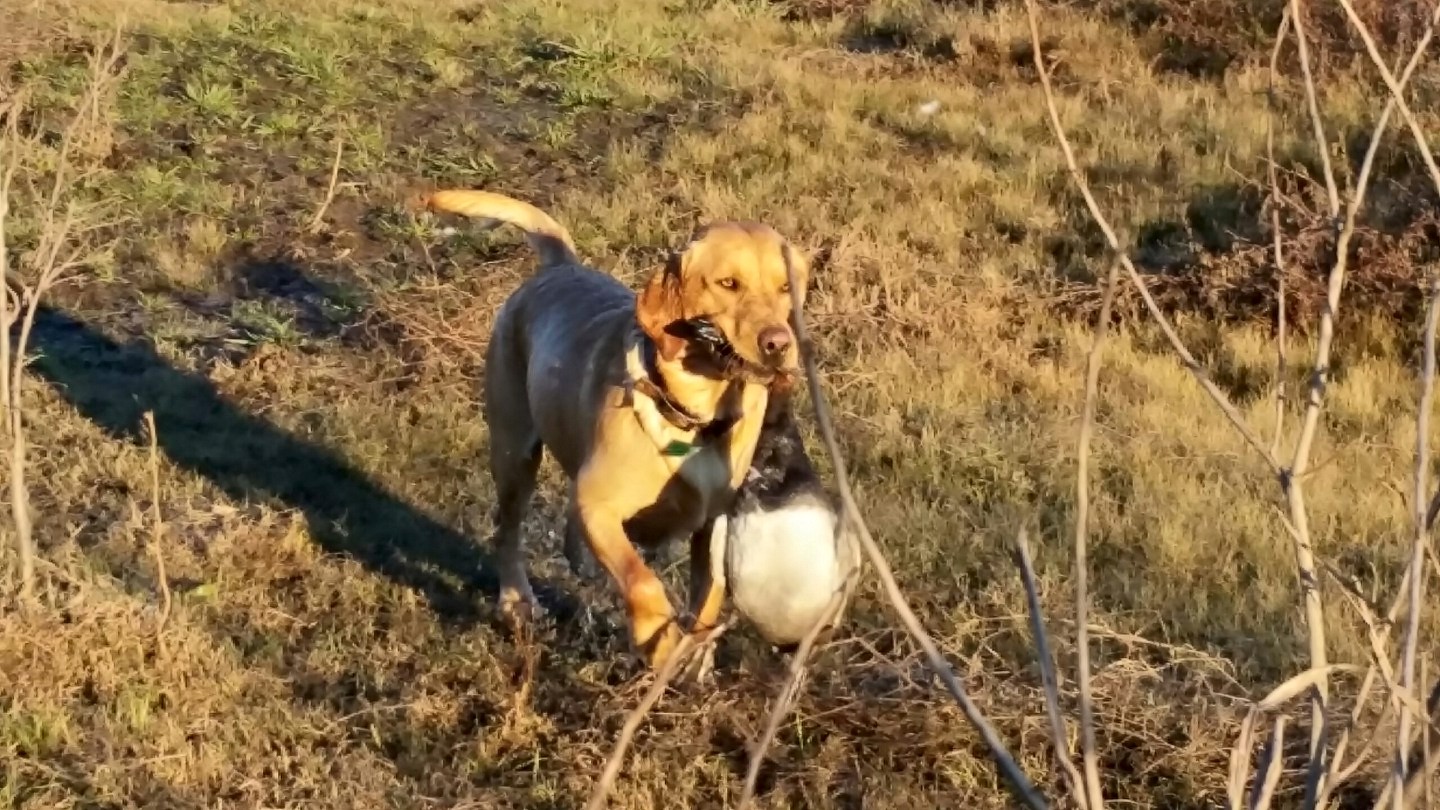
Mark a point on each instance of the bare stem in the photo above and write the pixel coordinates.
(56, 227)
(689, 644)
(157, 529)
(1264, 789)
(1277, 236)
(1292, 478)
(1312, 100)
(1417, 546)
(1073, 780)
(1397, 88)
(787, 695)
(24, 542)
(319, 219)
(1232, 414)
(1094, 800)
(1020, 784)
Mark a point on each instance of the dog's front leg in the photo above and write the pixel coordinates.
(707, 593)
(707, 589)
(653, 629)
(745, 435)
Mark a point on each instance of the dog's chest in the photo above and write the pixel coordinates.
(686, 498)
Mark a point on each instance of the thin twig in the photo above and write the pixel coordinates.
(157, 529)
(1332, 190)
(56, 227)
(688, 645)
(787, 695)
(1232, 414)
(319, 219)
(1417, 562)
(1094, 800)
(1337, 772)
(1270, 767)
(1292, 478)
(1073, 780)
(24, 542)
(1417, 545)
(1023, 788)
(1240, 759)
(1421, 775)
(1397, 89)
(1277, 235)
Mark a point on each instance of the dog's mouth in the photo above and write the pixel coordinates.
(717, 349)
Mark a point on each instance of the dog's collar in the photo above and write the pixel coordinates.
(645, 378)
(645, 381)
(651, 384)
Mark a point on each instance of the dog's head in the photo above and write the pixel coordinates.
(732, 276)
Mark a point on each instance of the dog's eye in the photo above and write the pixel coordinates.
(729, 284)
(785, 288)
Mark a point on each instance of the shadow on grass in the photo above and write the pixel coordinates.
(113, 384)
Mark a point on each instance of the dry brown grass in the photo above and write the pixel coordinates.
(331, 641)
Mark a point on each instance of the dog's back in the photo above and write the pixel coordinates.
(562, 321)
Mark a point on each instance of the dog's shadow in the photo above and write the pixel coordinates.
(113, 384)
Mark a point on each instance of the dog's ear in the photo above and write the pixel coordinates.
(660, 304)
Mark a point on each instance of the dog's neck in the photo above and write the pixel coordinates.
(688, 401)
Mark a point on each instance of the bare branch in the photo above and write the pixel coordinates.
(25, 546)
(1297, 17)
(787, 694)
(689, 644)
(1240, 759)
(1417, 546)
(1270, 768)
(1094, 800)
(319, 219)
(1191, 364)
(1292, 478)
(1020, 784)
(1277, 236)
(1073, 780)
(1397, 89)
(57, 218)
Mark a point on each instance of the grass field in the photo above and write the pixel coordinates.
(321, 477)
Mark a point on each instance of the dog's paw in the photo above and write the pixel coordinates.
(659, 645)
(520, 607)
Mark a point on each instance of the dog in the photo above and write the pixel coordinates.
(653, 429)
(783, 549)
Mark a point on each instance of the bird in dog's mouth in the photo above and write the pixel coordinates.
(703, 332)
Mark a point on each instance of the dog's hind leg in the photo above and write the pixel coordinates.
(514, 462)
(515, 450)
(577, 551)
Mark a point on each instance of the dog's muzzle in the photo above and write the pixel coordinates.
(705, 333)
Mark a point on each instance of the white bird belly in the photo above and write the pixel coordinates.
(782, 567)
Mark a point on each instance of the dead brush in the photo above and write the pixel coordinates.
(1242, 285)
(56, 237)
(440, 329)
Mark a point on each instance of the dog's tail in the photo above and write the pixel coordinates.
(548, 237)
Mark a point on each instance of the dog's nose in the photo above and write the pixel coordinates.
(774, 340)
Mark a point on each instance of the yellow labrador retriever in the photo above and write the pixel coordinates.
(652, 405)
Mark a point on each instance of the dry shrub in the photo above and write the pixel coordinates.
(1240, 285)
(1204, 38)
